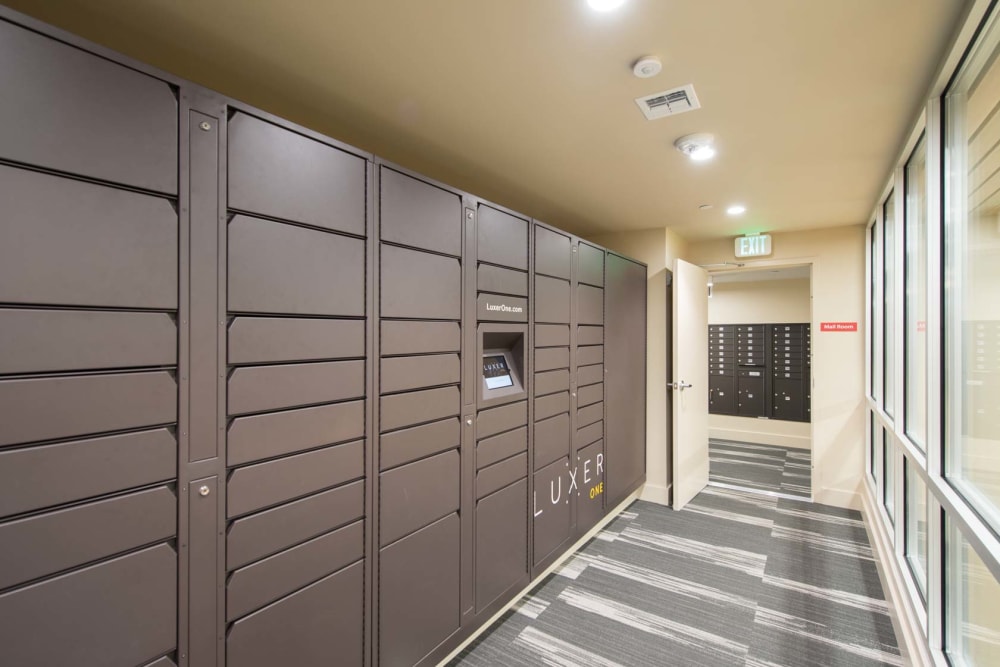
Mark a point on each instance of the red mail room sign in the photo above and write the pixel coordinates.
(838, 326)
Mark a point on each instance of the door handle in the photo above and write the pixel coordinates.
(680, 385)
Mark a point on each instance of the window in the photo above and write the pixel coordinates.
(915, 303)
(888, 476)
(873, 304)
(888, 302)
(972, 631)
(972, 276)
(934, 336)
(916, 526)
(872, 462)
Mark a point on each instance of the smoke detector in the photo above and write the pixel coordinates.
(698, 147)
(647, 66)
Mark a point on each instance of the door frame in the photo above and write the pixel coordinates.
(810, 262)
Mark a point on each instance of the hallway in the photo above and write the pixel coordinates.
(733, 579)
(772, 469)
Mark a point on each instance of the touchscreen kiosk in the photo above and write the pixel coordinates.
(496, 372)
(502, 352)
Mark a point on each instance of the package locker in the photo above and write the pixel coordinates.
(269, 399)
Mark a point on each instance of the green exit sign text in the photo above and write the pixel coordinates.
(753, 246)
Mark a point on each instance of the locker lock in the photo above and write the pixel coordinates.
(204, 491)
(469, 421)
(205, 127)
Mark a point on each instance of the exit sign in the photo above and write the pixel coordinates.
(753, 246)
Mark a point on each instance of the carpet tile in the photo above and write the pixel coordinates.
(736, 578)
(780, 470)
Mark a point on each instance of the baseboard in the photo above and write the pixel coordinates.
(761, 437)
(655, 493)
(632, 497)
(906, 619)
(837, 498)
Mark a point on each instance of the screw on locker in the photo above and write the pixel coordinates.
(468, 421)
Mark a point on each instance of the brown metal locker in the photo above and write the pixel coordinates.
(589, 482)
(501, 238)
(419, 593)
(499, 550)
(588, 455)
(420, 532)
(551, 521)
(297, 450)
(279, 173)
(553, 307)
(89, 365)
(123, 124)
(625, 441)
(280, 268)
(501, 542)
(243, 361)
(316, 625)
(417, 214)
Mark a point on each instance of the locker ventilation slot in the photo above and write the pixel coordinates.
(668, 103)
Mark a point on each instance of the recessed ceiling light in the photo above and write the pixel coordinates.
(736, 209)
(605, 5)
(647, 66)
(702, 153)
(698, 147)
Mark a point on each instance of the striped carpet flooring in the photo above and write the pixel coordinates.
(769, 468)
(735, 578)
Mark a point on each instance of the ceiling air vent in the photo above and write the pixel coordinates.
(668, 103)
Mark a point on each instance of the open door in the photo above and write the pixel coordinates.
(690, 382)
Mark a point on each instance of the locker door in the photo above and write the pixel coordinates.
(722, 395)
(788, 399)
(750, 394)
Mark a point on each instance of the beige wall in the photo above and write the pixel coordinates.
(838, 275)
(657, 248)
(760, 302)
(837, 257)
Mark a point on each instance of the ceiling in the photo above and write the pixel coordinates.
(529, 103)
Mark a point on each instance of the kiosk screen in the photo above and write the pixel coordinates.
(496, 372)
